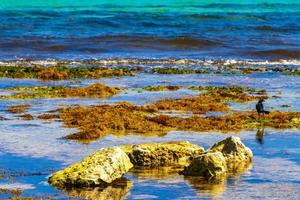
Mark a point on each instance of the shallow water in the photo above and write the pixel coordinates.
(32, 150)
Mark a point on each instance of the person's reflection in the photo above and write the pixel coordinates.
(260, 135)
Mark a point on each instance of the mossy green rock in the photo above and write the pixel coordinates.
(234, 151)
(210, 164)
(101, 168)
(162, 154)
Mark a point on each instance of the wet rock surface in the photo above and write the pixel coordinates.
(163, 154)
(212, 164)
(101, 168)
(225, 156)
(106, 166)
(235, 152)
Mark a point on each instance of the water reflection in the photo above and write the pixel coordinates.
(260, 133)
(204, 188)
(118, 191)
(156, 173)
(214, 188)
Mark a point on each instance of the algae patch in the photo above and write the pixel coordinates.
(62, 72)
(212, 99)
(162, 88)
(96, 90)
(170, 70)
(18, 109)
(97, 121)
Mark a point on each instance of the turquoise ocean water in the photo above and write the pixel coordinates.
(191, 29)
(136, 30)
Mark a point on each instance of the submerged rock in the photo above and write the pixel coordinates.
(237, 155)
(211, 164)
(101, 168)
(162, 154)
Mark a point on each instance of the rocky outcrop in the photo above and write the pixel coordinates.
(107, 165)
(237, 155)
(162, 154)
(101, 168)
(211, 164)
(225, 156)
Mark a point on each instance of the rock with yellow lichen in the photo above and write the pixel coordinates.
(228, 155)
(234, 151)
(101, 168)
(210, 164)
(162, 154)
(106, 166)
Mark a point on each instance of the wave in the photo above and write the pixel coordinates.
(276, 53)
(105, 43)
(149, 62)
(272, 29)
(154, 42)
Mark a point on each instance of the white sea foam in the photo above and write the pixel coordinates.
(151, 61)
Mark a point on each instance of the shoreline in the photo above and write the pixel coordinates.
(149, 61)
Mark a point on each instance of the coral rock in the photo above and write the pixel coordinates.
(234, 151)
(101, 168)
(211, 164)
(162, 154)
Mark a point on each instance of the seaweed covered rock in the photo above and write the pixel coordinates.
(101, 168)
(209, 165)
(234, 151)
(225, 156)
(162, 154)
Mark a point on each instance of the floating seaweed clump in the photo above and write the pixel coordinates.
(48, 116)
(97, 121)
(295, 72)
(97, 90)
(94, 122)
(233, 93)
(198, 105)
(14, 192)
(26, 116)
(213, 99)
(170, 70)
(62, 72)
(236, 121)
(161, 88)
(18, 109)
